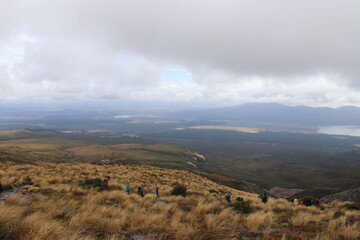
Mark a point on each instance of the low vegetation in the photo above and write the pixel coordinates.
(262, 159)
(96, 183)
(179, 190)
(241, 206)
(69, 205)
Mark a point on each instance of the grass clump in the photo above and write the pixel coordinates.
(241, 206)
(94, 183)
(27, 181)
(48, 191)
(339, 213)
(353, 206)
(179, 189)
(213, 191)
(9, 216)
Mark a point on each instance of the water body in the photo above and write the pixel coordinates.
(341, 130)
(137, 116)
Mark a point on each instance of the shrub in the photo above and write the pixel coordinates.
(339, 213)
(48, 191)
(6, 187)
(27, 181)
(213, 191)
(222, 191)
(95, 183)
(241, 206)
(179, 190)
(353, 206)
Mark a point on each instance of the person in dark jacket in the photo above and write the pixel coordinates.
(264, 198)
(156, 192)
(141, 191)
(228, 197)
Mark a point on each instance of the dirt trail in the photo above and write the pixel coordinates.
(15, 190)
(5, 194)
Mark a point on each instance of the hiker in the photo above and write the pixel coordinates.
(296, 201)
(127, 188)
(264, 198)
(141, 191)
(228, 197)
(106, 180)
(156, 192)
(318, 202)
(307, 202)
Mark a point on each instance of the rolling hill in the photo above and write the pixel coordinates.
(278, 113)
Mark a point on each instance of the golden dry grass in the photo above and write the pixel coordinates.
(64, 210)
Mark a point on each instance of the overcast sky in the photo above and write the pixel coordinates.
(292, 52)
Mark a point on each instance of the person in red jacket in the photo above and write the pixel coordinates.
(106, 180)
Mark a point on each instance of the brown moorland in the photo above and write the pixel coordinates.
(58, 206)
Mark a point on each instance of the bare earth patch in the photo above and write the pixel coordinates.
(97, 131)
(283, 192)
(230, 128)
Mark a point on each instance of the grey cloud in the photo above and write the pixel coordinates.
(228, 41)
(64, 69)
(247, 37)
(272, 38)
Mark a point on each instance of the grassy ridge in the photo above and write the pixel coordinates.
(63, 150)
(61, 208)
(52, 146)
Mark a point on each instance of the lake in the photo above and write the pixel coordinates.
(341, 130)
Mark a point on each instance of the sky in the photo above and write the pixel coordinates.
(300, 52)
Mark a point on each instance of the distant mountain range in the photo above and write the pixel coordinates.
(278, 113)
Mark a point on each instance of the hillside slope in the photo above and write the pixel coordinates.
(348, 195)
(60, 206)
(58, 148)
(228, 162)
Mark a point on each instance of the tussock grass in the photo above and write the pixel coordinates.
(37, 227)
(9, 216)
(63, 209)
(255, 220)
(17, 200)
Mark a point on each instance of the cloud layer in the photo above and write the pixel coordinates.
(294, 52)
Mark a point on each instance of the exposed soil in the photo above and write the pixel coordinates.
(283, 192)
